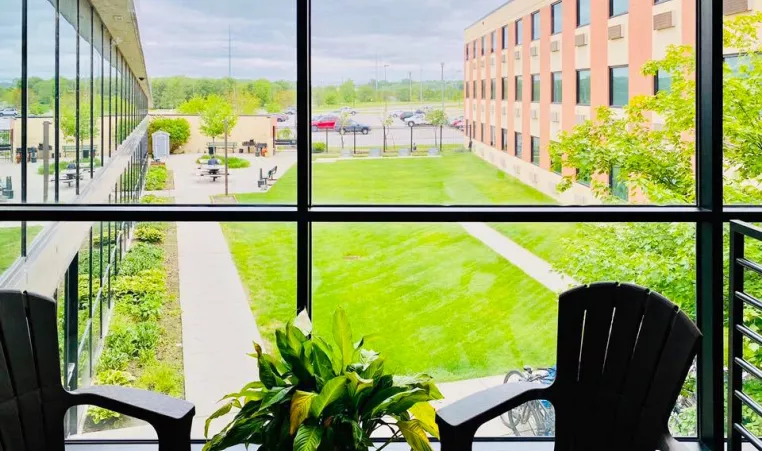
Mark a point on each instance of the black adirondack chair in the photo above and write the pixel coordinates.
(623, 355)
(33, 401)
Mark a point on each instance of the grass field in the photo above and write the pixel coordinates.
(440, 301)
(456, 178)
(10, 244)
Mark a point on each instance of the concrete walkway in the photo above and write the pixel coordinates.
(532, 265)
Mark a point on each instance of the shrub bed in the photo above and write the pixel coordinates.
(158, 178)
(233, 162)
(141, 349)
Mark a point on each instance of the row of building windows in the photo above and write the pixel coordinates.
(619, 86)
(616, 8)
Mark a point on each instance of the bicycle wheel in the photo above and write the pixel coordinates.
(512, 418)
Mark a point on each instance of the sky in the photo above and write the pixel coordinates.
(190, 37)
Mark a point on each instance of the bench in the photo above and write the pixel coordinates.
(265, 181)
(73, 149)
(68, 177)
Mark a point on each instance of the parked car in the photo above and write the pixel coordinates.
(280, 117)
(457, 122)
(327, 122)
(408, 114)
(9, 112)
(353, 127)
(348, 110)
(418, 119)
(396, 113)
(290, 110)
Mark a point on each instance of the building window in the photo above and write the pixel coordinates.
(484, 44)
(504, 142)
(519, 31)
(536, 25)
(557, 88)
(466, 52)
(535, 87)
(519, 87)
(518, 145)
(492, 135)
(468, 85)
(583, 87)
(484, 89)
(535, 150)
(493, 89)
(481, 132)
(583, 177)
(618, 186)
(617, 7)
(556, 18)
(493, 37)
(474, 52)
(583, 12)
(505, 37)
(662, 82)
(505, 88)
(619, 86)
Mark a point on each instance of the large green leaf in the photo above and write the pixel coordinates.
(218, 413)
(425, 413)
(321, 363)
(307, 438)
(400, 402)
(375, 369)
(328, 350)
(342, 335)
(268, 371)
(300, 409)
(332, 390)
(358, 388)
(415, 435)
(275, 396)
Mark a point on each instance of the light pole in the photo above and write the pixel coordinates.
(226, 157)
(385, 93)
(410, 84)
(443, 87)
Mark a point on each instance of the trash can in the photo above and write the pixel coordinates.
(32, 154)
(211, 150)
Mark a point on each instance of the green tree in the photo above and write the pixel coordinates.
(192, 106)
(263, 89)
(178, 128)
(348, 92)
(438, 118)
(365, 93)
(214, 115)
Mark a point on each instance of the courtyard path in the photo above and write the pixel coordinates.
(532, 265)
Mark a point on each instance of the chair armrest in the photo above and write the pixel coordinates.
(668, 443)
(155, 408)
(471, 412)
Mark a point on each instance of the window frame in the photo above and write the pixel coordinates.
(518, 80)
(708, 214)
(612, 104)
(506, 35)
(535, 156)
(553, 29)
(536, 20)
(579, 18)
(504, 94)
(577, 85)
(518, 145)
(536, 82)
(611, 8)
(553, 91)
(518, 31)
(493, 89)
(657, 89)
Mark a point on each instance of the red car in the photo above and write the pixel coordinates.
(457, 123)
(327, 122)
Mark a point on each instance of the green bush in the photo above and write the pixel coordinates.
(233, 162)
(154, 199)
(156, 178)
(178, 128)
(147, 308)
(141, 257)
(149, 281)
(318, 147)
(109, 377)
(149, 234)
(161, 377)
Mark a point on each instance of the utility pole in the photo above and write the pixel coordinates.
(420, 83)
(230, 67)
(226, 157)
(443, 87)
(410, 84)
(385, 97)
(376, 78)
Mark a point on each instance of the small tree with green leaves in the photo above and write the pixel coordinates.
(342, 122)
(438, 119)
(178, 128)
(192, 106)
(215, 114)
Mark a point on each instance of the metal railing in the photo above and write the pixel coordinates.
(738, 330)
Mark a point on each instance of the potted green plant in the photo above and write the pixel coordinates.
(319, 396)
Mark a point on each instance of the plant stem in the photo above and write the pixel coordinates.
(391, 439)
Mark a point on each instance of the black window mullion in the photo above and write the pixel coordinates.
(77, 147)
(57, 112)
(709, 242)
(92, 91)
(304, 158)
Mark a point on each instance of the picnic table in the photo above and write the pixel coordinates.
(69, 176)
(213, 171)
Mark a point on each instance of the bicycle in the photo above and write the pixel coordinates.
(537, 417)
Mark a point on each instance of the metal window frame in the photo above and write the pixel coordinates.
(536, 28)
(553, 90)
(709, 214)
(553, 18)
(576, 86)
(611, 85)
(589, 11)
(518, 30)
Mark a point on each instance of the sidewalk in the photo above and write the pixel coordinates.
(532, 265)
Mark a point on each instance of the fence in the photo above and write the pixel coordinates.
(387, 139)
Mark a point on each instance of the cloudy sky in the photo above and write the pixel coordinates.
(190, 37)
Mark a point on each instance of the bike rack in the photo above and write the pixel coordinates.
(737, 330)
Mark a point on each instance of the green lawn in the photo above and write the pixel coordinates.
(542, 239)
(439, 301)
(10, 244)
(454, 179)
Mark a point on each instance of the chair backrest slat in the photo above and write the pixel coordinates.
(629, 308)
(595, 335)
(21, 370)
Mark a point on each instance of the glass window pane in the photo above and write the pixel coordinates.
(583, 87)
(619, 86)
(535, 88)
(556, 13)
(85, 135)
(518, 145)
(519, 87)
(505, 37)
(519, 31)
(618, 7)
(583, 12)
(557, 87)
(663, 81)
(536, 26)
(535, 141)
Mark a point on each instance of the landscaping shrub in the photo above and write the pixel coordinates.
(154, 199)
(233, 162)
(178, 128)
(148, 233)
(141, 257)
(149, 281)
(156, 178)
(161, 377)
(318, 147)
(110, 377)
(146, 308)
